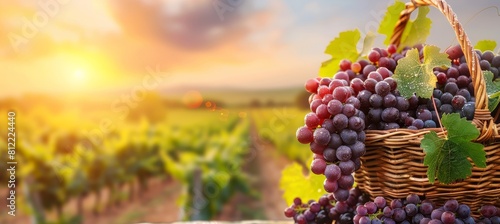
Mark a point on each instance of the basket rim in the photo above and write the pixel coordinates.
(482, 116)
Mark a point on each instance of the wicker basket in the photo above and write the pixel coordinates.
(393, 164)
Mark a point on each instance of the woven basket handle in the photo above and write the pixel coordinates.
(482, 116)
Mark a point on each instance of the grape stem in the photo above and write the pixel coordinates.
(435, 109)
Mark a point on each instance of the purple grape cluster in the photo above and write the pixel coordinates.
(326, 209)
(412, 210)
(416, 211)
(358, 209)
(335, 131)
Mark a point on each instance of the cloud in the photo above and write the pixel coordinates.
(192, 35)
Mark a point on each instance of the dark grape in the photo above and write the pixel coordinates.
(485, 65)
(348, 136)
(382, 88)
(396, 203)
(446, 109)
(390, 114)
(448, 217)
(411, 210)
(330, 154)
(419, 124)
(361, 210)
(354, 101)
(335, 141)
(317, 148)
(349, 110)
(340, 121)
(380, 202)
(371, 207)
(344, 153)
(402, 104)
(417, 218)
(488, 211)
(398, 214)
(436, 214)
(426, 208)
(335, 107)
(370, 84)
(390, 100)
(345, 181)
(429, 124)
(321, 136)
(457, 102)
(463, 69)
(463, 211)
(356, 124)
(468, 110)
(392, 83)
(332, 172)
(495, 62)
(424, 115)
(465, 93)
(341, 194)
(357, 149)
(328, 125)
(347, 167)
(376, 100)
(369, 68)
(451, 87)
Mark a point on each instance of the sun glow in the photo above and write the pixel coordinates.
(79, 75)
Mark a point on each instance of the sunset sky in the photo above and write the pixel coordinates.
(79, 46)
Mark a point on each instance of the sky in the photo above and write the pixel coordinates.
(66, 46)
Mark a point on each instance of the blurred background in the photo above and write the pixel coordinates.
(158, 111)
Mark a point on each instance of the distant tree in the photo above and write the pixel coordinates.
(302, 100)
(271, 103)
(255, 103)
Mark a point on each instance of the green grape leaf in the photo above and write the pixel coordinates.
(413, 76)
(417, 31)
(342, 47)
(486, 45)
(492, 89)
(446, 158)
(368, 43)
(390, 19)
(295, 184)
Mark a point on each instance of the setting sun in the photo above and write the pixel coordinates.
(79, 75)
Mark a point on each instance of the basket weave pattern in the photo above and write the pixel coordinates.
(393, 164)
